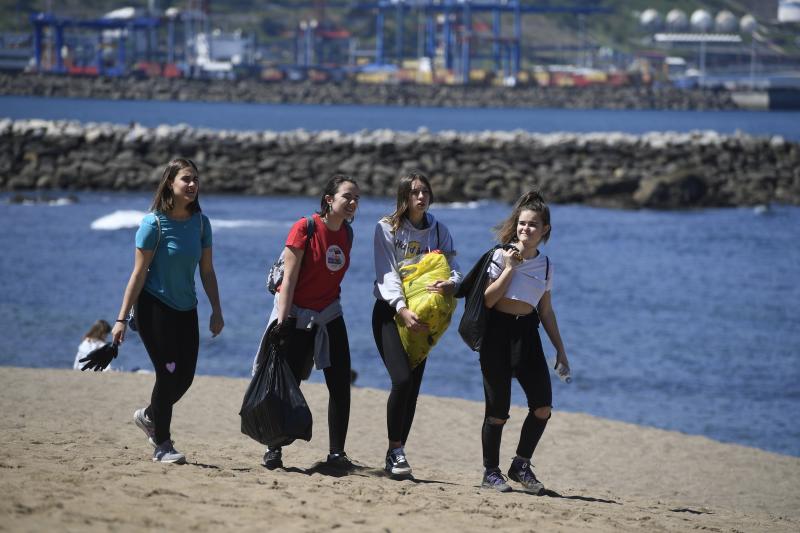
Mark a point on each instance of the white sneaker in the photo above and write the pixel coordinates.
(166, 453)
(144, 423)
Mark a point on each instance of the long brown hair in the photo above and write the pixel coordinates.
(506, 231)
(164, 201)
(403, 192)
(98, 331)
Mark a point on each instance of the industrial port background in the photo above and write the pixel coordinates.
(557, 37)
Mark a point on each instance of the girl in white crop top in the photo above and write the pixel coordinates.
(520, 282)
(532, 277)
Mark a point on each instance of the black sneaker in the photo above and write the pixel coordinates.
(520, 471)
(273, 459)
(339, 461)
(396, 463)
(494, 479)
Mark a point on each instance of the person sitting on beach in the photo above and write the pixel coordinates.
(518, 297)
(312, 277)
(404, 234)
(94, 339)
(170, 243)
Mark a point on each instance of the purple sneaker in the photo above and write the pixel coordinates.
(494, 479)
(520, 471)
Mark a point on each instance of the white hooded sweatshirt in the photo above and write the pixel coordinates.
(391, 249)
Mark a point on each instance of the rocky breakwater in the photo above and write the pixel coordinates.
(657, 170)
(350, 92)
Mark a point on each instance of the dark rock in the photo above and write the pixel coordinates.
(677, 191)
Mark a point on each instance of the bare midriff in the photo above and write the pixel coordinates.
(513, 307)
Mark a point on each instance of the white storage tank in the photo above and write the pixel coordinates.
(725, 22)
(650, 20)
(748, 24)
(676, 20)
(701, 21)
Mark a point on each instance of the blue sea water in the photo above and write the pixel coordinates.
(349, 118)
(679, 320)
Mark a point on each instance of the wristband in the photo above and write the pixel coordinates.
(123, 320)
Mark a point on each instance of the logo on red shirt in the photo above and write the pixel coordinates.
(334, 258)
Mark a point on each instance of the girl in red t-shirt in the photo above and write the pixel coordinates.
(313, 272)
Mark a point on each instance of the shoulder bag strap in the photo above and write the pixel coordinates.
(158, 237)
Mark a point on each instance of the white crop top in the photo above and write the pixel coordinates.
(531, 278)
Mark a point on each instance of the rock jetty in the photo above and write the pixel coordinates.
(656, 170)
(350, 92)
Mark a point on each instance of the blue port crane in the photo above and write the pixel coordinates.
(457, 26)
(41, 21)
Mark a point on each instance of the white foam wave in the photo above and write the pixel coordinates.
(61, 201)
(119, 220)
(131, 219)
(253, 223)
(459, 205)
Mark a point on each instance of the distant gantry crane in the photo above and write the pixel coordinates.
(106, 30)
(450, 35)
(449, 27)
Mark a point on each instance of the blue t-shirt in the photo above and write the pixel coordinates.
(170, 277)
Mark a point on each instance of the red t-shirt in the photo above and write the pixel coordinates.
(324, 263)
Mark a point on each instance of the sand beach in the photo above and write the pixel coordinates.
(71, 459)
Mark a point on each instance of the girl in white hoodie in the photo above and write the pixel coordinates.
(407, 232)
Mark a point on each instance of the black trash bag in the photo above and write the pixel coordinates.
(274, 411)
(473, 322)
(99, 358)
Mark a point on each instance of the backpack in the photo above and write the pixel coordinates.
(275, 273)
(473, 322)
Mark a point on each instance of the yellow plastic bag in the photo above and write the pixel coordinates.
(433, 309)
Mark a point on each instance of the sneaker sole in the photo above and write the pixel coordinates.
(538, 491)
(179, 461)
(272, 466)
(494, 487)
(398, 471)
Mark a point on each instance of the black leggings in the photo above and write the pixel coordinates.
(512, 347)
(405, 381)
(300, 351)
(172, 339)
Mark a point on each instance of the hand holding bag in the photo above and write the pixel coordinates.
(274, 411)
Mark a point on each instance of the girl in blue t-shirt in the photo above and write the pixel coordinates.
(171, 241)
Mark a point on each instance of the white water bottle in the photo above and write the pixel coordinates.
(561, 371)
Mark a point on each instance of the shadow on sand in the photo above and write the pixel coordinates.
(325, 469)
